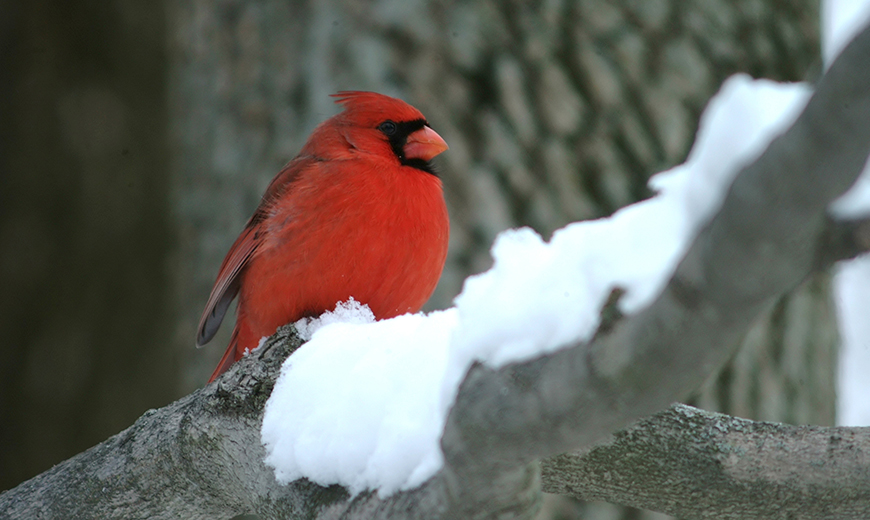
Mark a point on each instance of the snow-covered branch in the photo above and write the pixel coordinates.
(761, 244)
(201, 457)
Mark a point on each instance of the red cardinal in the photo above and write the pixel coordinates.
(358, 213)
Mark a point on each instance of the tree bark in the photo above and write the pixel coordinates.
(697, 464)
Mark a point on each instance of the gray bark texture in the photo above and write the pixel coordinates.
(201, 457)
(700, 464)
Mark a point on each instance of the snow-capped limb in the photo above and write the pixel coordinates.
(761, 244)
(201, 457)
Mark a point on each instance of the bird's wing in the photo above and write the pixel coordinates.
(226, 287)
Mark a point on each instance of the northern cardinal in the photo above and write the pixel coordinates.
(358, 213)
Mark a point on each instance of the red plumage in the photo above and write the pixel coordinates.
(358, 213)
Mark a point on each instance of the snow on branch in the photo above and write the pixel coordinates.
(202, 456)
(761, 244)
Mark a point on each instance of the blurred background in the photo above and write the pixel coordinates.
(136, 138)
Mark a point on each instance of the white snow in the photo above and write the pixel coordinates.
(345, 312)
(360, 403)
(852, 294)
(363, 403)
(540, 296)
(855, 203)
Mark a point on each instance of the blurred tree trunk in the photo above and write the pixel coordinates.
(84, 229)
(554, 111)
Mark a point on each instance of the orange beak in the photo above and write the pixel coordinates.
(424, 144)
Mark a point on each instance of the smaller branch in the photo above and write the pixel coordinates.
(696, 464)
(842, 240)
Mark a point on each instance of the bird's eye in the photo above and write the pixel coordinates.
(388, 127)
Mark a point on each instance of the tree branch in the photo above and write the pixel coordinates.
(842, 240)
(198, 458)
(761, 244)
(696, 464)
(201, 457)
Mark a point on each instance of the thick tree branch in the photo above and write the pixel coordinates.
(761, 244)
(201, 457)
(198, 458)
(696, 464)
